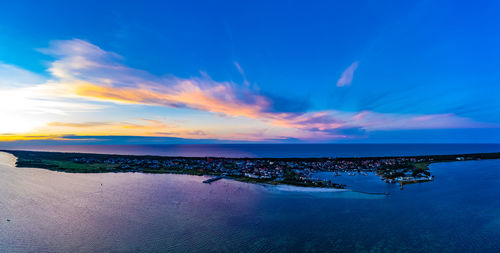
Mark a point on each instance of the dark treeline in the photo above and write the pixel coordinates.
(70, 156)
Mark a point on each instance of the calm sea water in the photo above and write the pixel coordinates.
(273, 150)
(42, 210)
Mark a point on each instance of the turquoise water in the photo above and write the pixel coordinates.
(51, 211)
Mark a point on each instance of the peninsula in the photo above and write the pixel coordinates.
(286, 171)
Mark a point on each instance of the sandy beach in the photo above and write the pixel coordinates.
(291, 188)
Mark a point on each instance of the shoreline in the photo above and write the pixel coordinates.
(318, 158)
(289, 174)
(306, 189)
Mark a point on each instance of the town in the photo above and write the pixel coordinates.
(402, 170)
(291, 171)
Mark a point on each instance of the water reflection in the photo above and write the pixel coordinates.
(53, 211)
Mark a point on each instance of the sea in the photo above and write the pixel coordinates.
(48, 211)
(271, 150)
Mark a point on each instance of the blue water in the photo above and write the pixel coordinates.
(359, 182)
(128, 212)
(274, 150)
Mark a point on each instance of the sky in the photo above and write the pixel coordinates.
(250, 72)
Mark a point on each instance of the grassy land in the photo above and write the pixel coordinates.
(423, 166)
(95, 163)
(67, 166)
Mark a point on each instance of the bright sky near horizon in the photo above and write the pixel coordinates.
(260, 71)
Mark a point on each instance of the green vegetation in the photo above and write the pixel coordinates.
(422, 165)
(290, 171)
(66, 166)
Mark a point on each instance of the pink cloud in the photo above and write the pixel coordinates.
(89, 72)
(346, 77)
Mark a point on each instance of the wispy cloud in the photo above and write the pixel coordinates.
(13, 76)
(23, 107)
(242, 73)
(78, 125)
(346, 77)
(240, 69)
(144, 127)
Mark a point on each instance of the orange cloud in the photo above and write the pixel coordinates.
(78, 125)
(218, 98)
(144, 127)
(84, 72)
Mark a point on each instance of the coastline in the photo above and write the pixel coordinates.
(287, 174)
(293, 188)
(436, 158)
(8, 159)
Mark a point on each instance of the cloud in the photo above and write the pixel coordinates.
(13, 76)
(23, 107)
(89, 72)
(193, 133)
(242, 73)
(240, 69)
(311, 121)
(199, 94)
(83, 76)
(139, 127)
(374, 121)
(100, 75)
(42, 142)
(346, 77)
(78, 125)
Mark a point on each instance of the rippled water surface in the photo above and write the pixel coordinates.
(42, 210)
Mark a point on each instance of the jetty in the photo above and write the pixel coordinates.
(210, 180)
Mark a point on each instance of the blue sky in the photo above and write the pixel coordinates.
(326, 71)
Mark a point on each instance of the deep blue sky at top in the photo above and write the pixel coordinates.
(416, 57)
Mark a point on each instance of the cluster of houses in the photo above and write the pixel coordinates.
(301, 170)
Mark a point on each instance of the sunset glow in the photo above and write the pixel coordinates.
(87, 86)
